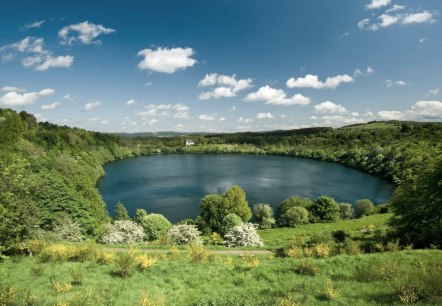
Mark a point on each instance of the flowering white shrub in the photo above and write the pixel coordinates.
(122, 232)
(68, 230)
(184, 234)
(243, 235)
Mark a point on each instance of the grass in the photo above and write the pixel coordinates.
(222, 282)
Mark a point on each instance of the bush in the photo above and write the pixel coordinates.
(346, 212)
(322, 250)
(242, 235)
(340, 235)
(68, 230)
(154, 226)
(197, 253)
(122, 232)
(145, 262)
(125, 264)
(229, 222)
(184, 234)
(318, 238)
(290, 203)
(295, 216)
(263, 214)
(324, 209)
(363, 207)
(308, 267)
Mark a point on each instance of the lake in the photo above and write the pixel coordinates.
(173, 185)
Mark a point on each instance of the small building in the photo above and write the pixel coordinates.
(190, 142)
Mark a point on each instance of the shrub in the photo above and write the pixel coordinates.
(330, 292)
(56, 253)
(346, 212)
(145, 262)
(68, 230)
(322, 250)
(308, 267)
(350, 247)
(242, 235)
(263, 214)
(247, 263)
(324, 209)
(340, 235)
(123, 232)
(104, 258)
(125, 263)
(216, 238)
(295, 216)
(61, 287)
(294, 252)
(290, 203)
(77, 276)
(381, 209)
(229, 222)
(121, 212)
(154, 226)
(323, 237)
(173, 253)
(363, 207)
(184, 234)
(197, 253)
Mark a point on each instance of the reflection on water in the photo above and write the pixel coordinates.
(174, 184)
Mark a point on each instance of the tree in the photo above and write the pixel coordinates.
(263, 214)
(184, 234)
(121, 212)
(324, 209)
(154, 226)
(243, 235)
(363, 207)
(296, 216)
(230, 221)
(346, 212)
(140, 214)
(285, 205)
(214, 207)
(417, 208)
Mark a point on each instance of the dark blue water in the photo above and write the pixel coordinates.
(173, 185)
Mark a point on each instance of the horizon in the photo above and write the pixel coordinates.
(222, 67)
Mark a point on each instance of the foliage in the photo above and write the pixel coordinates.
(324, 209)
(126, 263)
(68, 230)
(121, 212)
(308, 267)
(154, 225)
(123, 232)
(340, 235)
(363, 207)
(229, 222)
(295, 216)
(346, 211)
(285, 205)
(242, 235)
(417, 207)
(197, 252)
(145, 262)
(263, 214)
(184, 234)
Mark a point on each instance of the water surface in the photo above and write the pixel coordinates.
(173, 185)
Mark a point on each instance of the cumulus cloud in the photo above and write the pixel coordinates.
(390, 83)
(386, 19)
(12, 88)
(68, 97)
(422, 17)
(83, 32)
(32, 25)
(375, 4)
(179, 111)
(274, 96)
(434, 92)
(14, 98)
(391, 115)
(264, 116)
(92, 106)
(312, 81)
(166, 60)
(51, 106)
(225, 86)
(36, 56)
(330, 107)
(206, 117)
(244, 120)
(421, 110)
(131, 102)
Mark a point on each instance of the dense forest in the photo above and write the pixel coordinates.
(49, 172)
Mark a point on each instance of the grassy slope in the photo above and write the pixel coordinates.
(180, 282)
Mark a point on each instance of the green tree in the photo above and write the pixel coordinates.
(295, 216)
(346, 212)
(291, 202)
(263, 214)
(236, 202)
(229, 222)
(324, 209)
(140, 214)
(417, 208)
(121, 212)
(154, 226)
(363, 207)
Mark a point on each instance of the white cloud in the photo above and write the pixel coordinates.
(36, 56)
(179, 111)
(375, 4)
(396, 8)
(68, 97)
(330, 107)
(283, 116)
(422, 40)
(363, 72)
(14, 98)
(92, 106)
(12, 88)
(32, 25)
(205, 117)
(434, 92)
(422, 17)
(51, 106)
(391, 115)
(232, 109)
(228, 86)
(264, 116)
(388, 20)
(150, 122)
(83, 32)
(166, 60)
(40, 118)
(244, 120)
(131, 102)
(274, 96)
(222, 119)
(340, 120)
(390, 83)
(312, 81)
(421, 110)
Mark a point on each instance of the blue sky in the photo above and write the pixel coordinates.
(221, 66)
